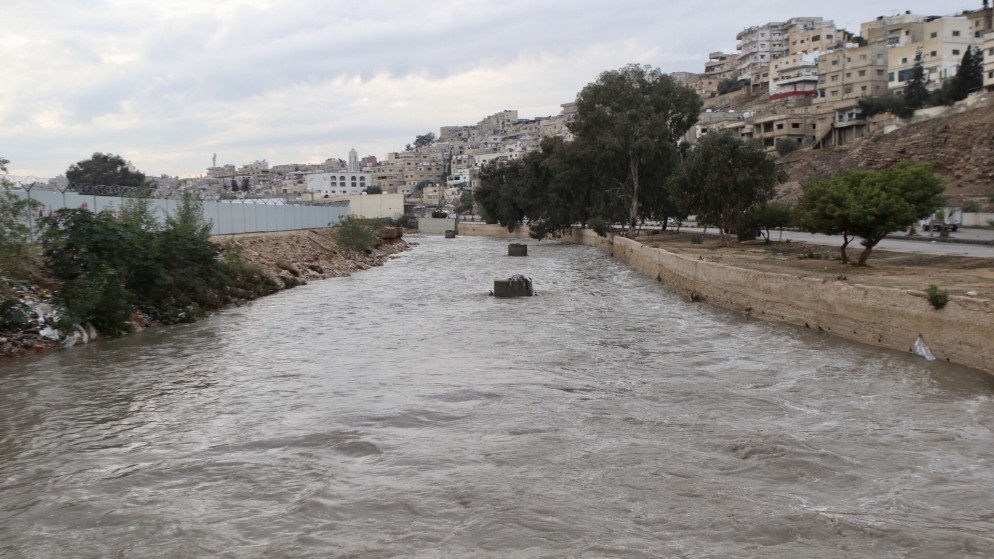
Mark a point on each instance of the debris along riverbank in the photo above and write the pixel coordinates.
(282, 260)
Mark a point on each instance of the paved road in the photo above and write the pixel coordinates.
(920, 244)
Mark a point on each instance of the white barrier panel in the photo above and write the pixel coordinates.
(226, 216)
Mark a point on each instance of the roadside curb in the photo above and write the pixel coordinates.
(925, 239)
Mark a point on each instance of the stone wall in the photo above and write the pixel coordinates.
(961, 332)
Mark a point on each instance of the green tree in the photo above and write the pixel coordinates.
(786, 145)
(892, 200)
(760, 219)
(105, 169)
(915, 92)
(465, 203)
(871, 204)
(630, 121)
(729, 85)
(724, 176)
(15, 235)
(374, 189)
(970, 74)
(245, 184)
(824, 207)
(424, 140)
(499, 196)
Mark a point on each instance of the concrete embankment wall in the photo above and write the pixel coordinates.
(961, 332)
(437, 225)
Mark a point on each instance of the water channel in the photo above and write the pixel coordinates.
(403, 412)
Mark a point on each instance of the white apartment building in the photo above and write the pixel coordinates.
(350, 182)
(758, 46)
(944, 41)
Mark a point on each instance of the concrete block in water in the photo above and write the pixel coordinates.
(450, 234)
(517, 249)
(514, 286)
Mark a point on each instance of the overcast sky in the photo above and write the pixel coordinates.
(167, 84)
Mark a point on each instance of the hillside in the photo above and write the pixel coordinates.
(960, 141)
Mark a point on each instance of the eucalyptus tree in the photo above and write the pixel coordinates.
(724, 176)
(629, 122)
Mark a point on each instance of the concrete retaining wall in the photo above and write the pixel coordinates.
(437, 225)
(961, 332)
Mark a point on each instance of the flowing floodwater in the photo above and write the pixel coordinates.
(402, 412)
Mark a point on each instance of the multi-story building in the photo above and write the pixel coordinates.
(944, 41)
(852, 72)
(894, 31)
(758, 46)
(811, 35)
(349, 182)
(988, 50)
(981, 21)
(794, 75)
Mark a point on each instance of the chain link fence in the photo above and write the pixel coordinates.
(227, 213)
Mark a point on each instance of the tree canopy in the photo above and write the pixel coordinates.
(105, 169)
(629, 122)
(424, 140)
(724, 176)
(871, 204)
(915, 92)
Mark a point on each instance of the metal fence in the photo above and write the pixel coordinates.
(227, 216)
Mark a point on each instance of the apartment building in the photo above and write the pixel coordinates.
(388, 176)
(988, 50)
(852, 72)
(944, 41)
(758, 46)
(351, 181)
(808, 35)
(894, 31)
(794, 75)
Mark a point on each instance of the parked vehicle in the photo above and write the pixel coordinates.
(937, 226)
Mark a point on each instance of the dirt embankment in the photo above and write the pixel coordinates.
(960, 141)
(286, 258)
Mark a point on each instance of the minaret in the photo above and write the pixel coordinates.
(353, 161)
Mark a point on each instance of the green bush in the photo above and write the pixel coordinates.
(15, 236)
(357, 234)
(440, 214)
(786, 145)
(598, 225)
(937, 297)
(972, 207)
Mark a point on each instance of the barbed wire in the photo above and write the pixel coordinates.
(34, 183)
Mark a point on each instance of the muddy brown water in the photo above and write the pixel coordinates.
(403, 412)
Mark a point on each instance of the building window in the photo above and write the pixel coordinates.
(880, 73)
(862, 57)
(890, 76)
(815, 38)
(780, 126)
(904, 60)
(795, 124)
(835, 78)
(955, 51)
(862, 73)
(934, 53)
(955, 33)
(835, 62)
(933, 35)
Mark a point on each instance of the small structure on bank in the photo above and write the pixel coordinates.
(514, 286)
(450, 234)
(517, 249)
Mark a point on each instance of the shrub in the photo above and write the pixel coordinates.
(357, 234)
(440, 214)
(972, 207)
(786, 145)
(598, 225)
(937, 297)
(15, 237)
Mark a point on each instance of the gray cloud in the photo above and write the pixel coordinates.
(168, 84)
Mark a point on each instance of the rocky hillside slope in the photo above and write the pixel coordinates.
(286, 259)
(959, 140)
